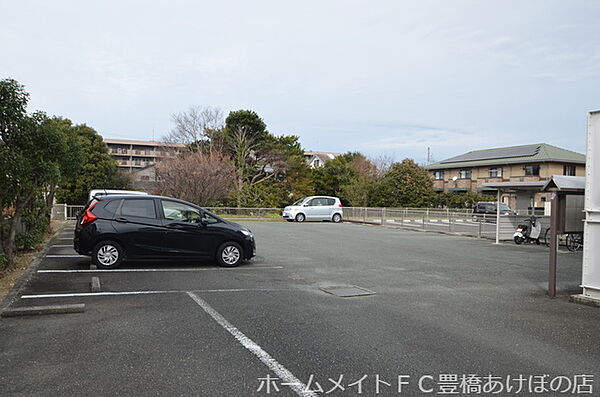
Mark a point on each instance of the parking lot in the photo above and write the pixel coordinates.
(437, 304)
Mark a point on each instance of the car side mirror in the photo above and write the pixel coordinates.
(305, 205)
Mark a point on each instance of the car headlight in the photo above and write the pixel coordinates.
(247, 233)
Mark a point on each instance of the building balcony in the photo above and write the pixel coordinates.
(133, 164)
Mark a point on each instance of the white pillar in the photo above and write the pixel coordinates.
(498, 218)
(591, 240)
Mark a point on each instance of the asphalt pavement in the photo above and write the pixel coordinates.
(440, 305)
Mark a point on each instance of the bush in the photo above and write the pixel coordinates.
(36, 225)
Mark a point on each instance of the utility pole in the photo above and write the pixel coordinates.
(429, 156)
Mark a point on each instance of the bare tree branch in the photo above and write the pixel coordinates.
(195, 125)
(199, 177)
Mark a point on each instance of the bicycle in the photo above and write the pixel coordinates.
(574, 241)
(547, 237)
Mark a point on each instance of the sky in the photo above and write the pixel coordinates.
(386, 78)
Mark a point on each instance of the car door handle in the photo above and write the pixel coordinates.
(121, 220)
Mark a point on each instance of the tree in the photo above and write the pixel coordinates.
(99, 170)
(406, 184)
(30, 159)
(335, 174)
(200, 177)
(71, 158)
(285, 178)
(259, 156)
(196, 127)
(249, 121)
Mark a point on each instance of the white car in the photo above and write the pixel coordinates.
(314, 208)
(109, 192)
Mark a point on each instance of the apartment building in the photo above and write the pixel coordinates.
(527, 163)
(132, 155)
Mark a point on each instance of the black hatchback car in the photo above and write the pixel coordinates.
(116, 228)
(489, 208)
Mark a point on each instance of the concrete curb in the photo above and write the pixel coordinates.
(30, 271)
(584, 300)
(41, 310)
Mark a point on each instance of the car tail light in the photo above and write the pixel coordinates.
(339, 205)
(87, 214)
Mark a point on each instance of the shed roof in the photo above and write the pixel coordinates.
(564, 183)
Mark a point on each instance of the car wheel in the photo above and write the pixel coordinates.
(337, 218)
(300, 217)
(107, 255)
(229, 254)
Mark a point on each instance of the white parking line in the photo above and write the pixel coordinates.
(153, 270)
(65, 238)
(67, 256)
(62, 245)
(121, 293)
(286, 376)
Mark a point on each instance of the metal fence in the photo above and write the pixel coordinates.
(65, 212)
(442, 220)
(457, 221)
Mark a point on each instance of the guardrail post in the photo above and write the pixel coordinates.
(65, 212)
(383, 216)
(449, 222)
(479, 231)
(364, 214)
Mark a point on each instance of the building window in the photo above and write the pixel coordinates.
(569, 170)
(495, 172)
(464, 174)
(438, 175)
(532, 170)
(317, 163)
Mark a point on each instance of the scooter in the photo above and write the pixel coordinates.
(528, 233)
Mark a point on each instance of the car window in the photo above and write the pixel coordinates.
(141, 208)
(330, 201)
(180, 212)
(112, 206)
(320, 202)
(208, 218)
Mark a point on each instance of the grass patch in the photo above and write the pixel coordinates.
(265, 217)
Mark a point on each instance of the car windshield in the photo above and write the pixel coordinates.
(299, 202)
(504, 207)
